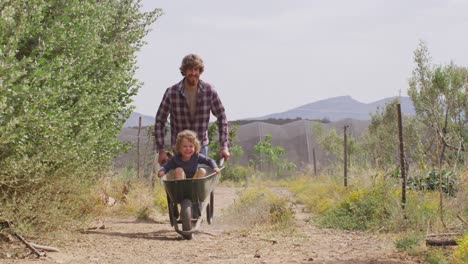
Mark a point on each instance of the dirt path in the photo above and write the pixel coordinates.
(129, 241)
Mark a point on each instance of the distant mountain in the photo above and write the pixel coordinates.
(133, 120)
(339, 108)
(333, 109)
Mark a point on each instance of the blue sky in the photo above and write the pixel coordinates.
(268, 56)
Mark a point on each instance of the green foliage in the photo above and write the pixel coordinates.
(440, 97)
(66, 82)
(231, 172)
(317, 194)
(48, 206)
(332, 144)
(160, 198)
(236, 173)
(235, 150)
(460, 254)
(409, 243)
(380, 143)
(360, 210)
(270, 158)
(435, 256)
(432, 181)
(374, 204)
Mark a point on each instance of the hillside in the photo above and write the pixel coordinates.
(339, 108)
(297, 138)
(291, 129)
(132, 121)
(331, 109)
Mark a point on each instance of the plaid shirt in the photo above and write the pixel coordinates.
(175, 105)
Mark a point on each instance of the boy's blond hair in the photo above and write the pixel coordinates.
(190, 136)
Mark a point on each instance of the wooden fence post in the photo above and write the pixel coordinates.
(345, 146)
(402, 159)
(315, 164)
(138, 147)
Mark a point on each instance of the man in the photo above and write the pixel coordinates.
(189, 104)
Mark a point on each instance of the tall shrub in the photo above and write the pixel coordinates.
(66, 80)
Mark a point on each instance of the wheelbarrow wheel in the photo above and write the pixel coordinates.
(209, 209)
(186, 217)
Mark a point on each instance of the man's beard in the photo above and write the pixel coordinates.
(192, 80)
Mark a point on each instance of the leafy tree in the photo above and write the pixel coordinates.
(271, 158)
(381, 144)
(66, 81)
(232, 171)
(440, 97)
(235, 150)
(332, 143)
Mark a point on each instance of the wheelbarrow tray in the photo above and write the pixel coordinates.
(193, 195)
(197, 190)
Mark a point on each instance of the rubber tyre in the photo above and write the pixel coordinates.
(186, 217)
(209, 217)
(210, 209)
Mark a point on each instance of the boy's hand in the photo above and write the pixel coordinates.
(217, 170)
(160, 173)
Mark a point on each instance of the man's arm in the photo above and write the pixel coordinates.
(159, 126)
(218, 110)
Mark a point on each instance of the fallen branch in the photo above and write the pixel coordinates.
(28, 245)
(43, 247)
(32, 246)
(444, 234)
(272, 241)
(441, 242)
(461, 219)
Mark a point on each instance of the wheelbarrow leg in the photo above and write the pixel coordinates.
(209, 209)
(173, 211)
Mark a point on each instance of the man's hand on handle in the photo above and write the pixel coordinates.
(224, 153)
(162, 157)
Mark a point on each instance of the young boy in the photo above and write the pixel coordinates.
(185, 162)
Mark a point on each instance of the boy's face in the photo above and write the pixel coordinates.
(186, 149)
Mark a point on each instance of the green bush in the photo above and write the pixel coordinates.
(431, 181)
(435, 257)
(361, 210)
(160, 199)
(236, 173)
(66, 84)
(408, 243)
(460, 254)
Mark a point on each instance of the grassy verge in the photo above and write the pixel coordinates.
(373, 203)
(260, 207)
